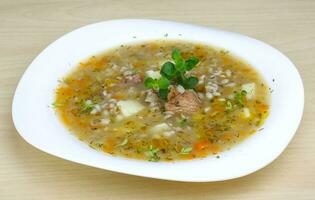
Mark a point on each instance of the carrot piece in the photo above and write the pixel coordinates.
(65, 118)
(201, 145)
(138, 64)
(214, 148)
(201, 148)
(65, 91)
(187, 156)
(101, 63)
(262, 107)
(109, 145)
(246, 133)
(118, 96)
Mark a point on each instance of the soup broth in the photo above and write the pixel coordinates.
(123, 102)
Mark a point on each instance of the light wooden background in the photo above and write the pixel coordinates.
(26, 27)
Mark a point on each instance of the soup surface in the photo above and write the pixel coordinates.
(163, 101)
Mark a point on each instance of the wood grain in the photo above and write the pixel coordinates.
(26, 27)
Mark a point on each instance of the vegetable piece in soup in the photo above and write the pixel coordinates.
(163, 101)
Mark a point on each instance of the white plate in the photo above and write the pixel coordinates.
(37, 123)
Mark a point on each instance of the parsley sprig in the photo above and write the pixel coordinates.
(174, 73)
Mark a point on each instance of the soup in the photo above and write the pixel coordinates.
(163, 101)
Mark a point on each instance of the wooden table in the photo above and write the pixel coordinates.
(27, 27)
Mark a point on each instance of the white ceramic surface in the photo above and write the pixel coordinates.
(38, 124)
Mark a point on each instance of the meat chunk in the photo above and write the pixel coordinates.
(187, 102)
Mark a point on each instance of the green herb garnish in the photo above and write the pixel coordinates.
(123, 143)
(228, 105)
(190, 82)
(183, 122)
(177, 73)
(140, 149)
(237, 102)
(56, 105)
(186, 150)
(158, 84)
(153, 157)
(168, 70)
(87, 107)
(174, 73)
(163, 93)
(239, 98)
